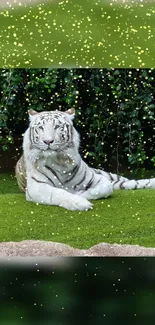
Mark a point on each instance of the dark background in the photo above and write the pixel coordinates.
(80, 291)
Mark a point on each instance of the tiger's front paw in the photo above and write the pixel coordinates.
(76, 203)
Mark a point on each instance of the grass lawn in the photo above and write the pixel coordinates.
(77, 34)
(128, 217)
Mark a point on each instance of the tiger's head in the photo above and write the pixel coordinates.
(52, 130)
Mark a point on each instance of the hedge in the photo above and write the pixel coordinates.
(115, 109)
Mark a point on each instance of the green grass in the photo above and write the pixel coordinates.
(128, 217)
(77, 33)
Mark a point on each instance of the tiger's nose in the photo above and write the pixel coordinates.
(48, 141)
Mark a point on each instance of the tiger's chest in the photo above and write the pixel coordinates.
(56, 173)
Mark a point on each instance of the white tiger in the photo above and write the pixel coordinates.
(51, 170)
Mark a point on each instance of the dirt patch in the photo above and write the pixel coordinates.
(31, 248)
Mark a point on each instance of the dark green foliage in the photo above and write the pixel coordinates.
(115, 109)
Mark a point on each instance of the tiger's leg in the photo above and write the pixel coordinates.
(102, 189)
(43, 193)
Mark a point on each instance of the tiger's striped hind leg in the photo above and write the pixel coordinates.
(102, 189)
(120, 182)
(20, 173)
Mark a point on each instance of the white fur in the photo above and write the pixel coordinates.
(44, 193)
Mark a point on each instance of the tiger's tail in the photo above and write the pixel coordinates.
(120, 182)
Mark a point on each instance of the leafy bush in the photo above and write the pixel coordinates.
(115, 109)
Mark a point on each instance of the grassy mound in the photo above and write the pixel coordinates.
(128, 217)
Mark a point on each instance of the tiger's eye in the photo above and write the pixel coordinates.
(56, 127)
(41, 127)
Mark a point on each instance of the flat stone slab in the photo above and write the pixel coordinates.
(37, 248)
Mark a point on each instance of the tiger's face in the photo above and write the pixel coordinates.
(51, 130)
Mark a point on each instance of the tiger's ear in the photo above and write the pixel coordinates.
(32, 114)
(71, 113)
